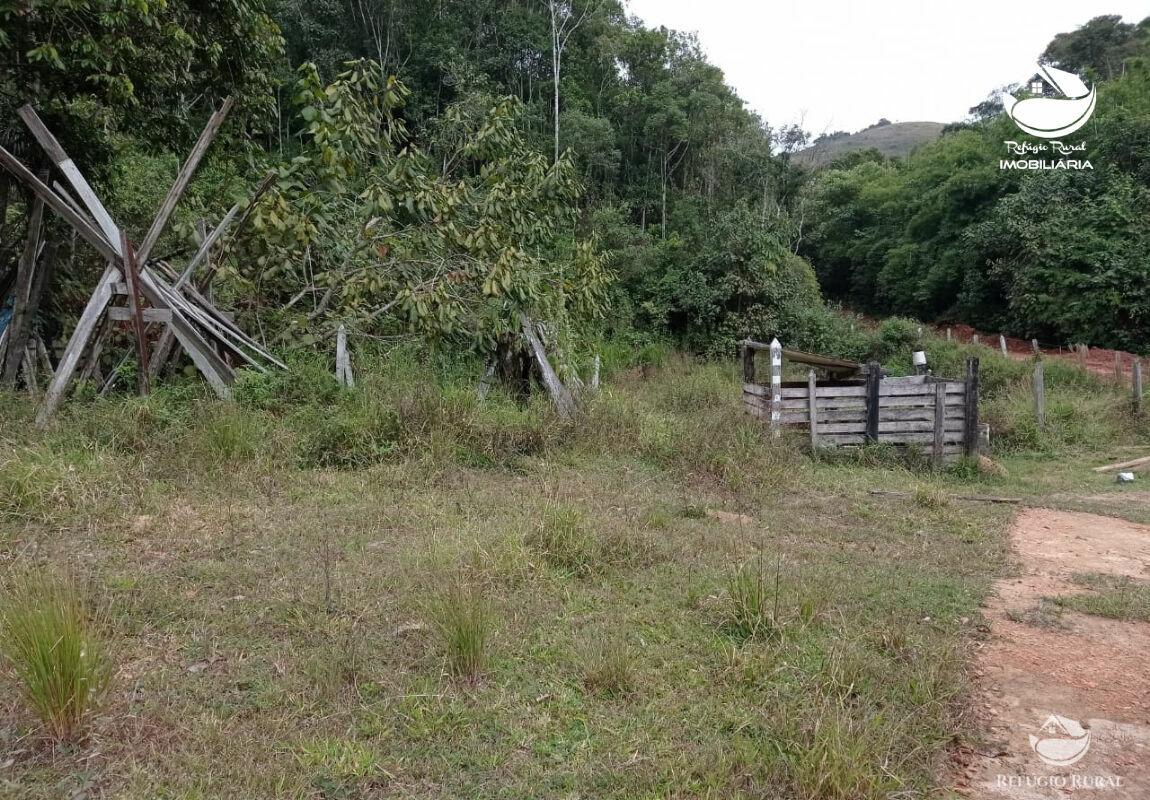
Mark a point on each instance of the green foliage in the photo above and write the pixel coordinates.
(52, 647)
(452, 240)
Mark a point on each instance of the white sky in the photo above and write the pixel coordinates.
(843, 64)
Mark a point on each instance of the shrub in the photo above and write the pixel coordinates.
(54, 651)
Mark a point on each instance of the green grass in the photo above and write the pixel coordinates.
(1113, 596)
(53, 651)
(402, 590)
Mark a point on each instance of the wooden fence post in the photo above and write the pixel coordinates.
(595, 374)
(1034, 345)
(873, 376)
(813, 406)
(1002, 344)
(485, 381)
(1039, 395)
(970, 431)
(748, 361)
(1136, 381)
(975, 338)
(776, 387)
(1117, 367)
(343, 360)
(948, 334)
(939, 420)
(1083, 353)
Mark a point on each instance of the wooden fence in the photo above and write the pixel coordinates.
(940, 416)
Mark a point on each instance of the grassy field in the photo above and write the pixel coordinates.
(399, 592)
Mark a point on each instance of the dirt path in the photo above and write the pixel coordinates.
(1090, 671)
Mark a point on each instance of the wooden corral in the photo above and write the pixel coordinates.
(938, 415)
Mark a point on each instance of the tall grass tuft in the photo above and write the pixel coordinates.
(49, 641)
(753, 609)
(465, 621)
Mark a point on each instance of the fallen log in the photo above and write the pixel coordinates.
(1123, 465)
(971, 498)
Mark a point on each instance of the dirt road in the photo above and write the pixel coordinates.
(1056, 682)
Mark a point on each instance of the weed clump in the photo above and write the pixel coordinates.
(465, 620)
(608, 667)
(50, 643)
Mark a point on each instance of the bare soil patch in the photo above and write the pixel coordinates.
(1085, 668)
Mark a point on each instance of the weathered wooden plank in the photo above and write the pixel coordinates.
(954, 438)
(90, 317)
(121, 314)
(970, 441)
(939, 420)
(874, 378)
(886, 389)
(748, 363)
(70, 171)
(86, 231)
(132, 273)
(812, 410)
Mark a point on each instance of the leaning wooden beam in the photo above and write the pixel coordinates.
(206, 246)
(559, 394)
(181, 183)
(971, 498)
(91, 316)
(78, 222)
(18, 325)
(1123, 465)
(68, 168)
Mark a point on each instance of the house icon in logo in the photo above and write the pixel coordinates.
(1060, 741)
(1052, 117)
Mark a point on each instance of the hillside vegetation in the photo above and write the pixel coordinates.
(894, 139)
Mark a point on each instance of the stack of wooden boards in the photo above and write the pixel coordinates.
(173, 303)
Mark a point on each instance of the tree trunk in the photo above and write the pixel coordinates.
(19, 324)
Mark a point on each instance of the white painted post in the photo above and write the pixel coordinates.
(948, 334)
(1034, 344)
(975, 338)
(1002, 343)
(776, 387)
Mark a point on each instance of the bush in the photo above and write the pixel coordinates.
(54, 651)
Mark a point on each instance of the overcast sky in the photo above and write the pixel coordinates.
(843, 64)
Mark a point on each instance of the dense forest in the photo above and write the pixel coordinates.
(443, 165)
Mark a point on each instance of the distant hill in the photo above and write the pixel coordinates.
(891, 139)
